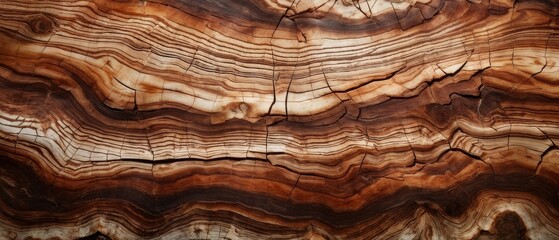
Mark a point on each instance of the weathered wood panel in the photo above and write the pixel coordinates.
(258, 119)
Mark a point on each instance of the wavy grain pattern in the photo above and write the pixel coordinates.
(284, 119)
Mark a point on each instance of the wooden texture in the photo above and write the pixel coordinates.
(255, 119)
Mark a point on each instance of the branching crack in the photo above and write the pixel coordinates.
(273, 56)
(372, 80)
(298, 29)
(358, 7)
(545, 152)
(328, 84)
(281, 18)
(545, 58)
(476, 157)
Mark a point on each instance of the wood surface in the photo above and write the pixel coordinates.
(283, 119)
